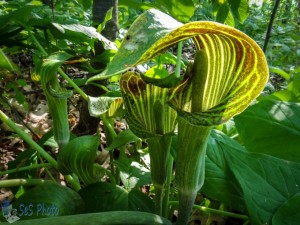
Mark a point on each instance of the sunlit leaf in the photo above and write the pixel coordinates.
(271, 127)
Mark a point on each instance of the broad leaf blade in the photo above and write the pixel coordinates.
(288, 213)
(267, 182)
(101, 197)
(271, 127)
(218, 175)
(48, 200)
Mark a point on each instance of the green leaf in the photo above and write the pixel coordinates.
(220, 183)
(133, 174)
(48, 200)
(78, 156)
(122, 139)
(101, 197)
(267, 182)
(6, 63)
(271, 127)
(288, 213)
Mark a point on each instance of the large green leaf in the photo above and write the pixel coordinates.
(267, 182)
(101, 197)
(288, 213)
(48, 200)
(271, 127)
(78, 156)
(220, 183)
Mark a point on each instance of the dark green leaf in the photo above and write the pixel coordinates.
(220, 183)
(288, 213)
(48, 200)
(267, 182)
(271, 127)
(101, 197)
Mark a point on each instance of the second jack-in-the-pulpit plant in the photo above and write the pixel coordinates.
(229, 71)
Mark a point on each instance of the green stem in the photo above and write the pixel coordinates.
(190, 165)
(215, 211)
(165, 212)
(110, 134)
(28, 139)
(26, 182)
(179, 56)
(159, 150)
(24, 168)
(73, 84)
(34, 145)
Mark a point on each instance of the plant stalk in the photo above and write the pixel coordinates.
(190, 165)
(159, 150)
(215, 211)
(165, 210)
(28, 139)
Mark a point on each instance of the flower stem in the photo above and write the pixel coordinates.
(215, 211)
(190, 165)
(159, 150)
